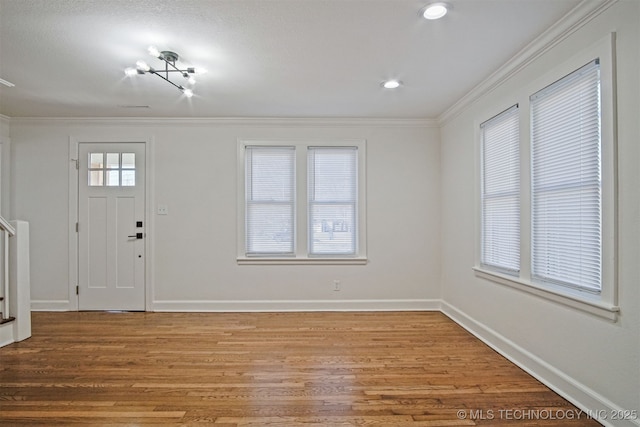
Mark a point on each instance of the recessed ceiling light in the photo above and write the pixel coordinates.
(435, 10)
(391, 84)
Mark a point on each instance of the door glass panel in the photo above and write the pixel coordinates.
(113, 160)
(95, 178)
(96, 160)
(128, 161)
(118, 170)
(128, 178)
(113, 178)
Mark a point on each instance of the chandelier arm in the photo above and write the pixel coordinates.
(168, 63)
(175, 69)
(166, 79)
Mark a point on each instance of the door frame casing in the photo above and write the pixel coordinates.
(5, 172)
(74, 144)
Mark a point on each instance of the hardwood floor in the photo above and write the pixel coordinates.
(266, 369)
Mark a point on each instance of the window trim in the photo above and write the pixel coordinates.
(589, 303)
(604, 304)
(301, 255)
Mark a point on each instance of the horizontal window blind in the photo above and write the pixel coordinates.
(332, 186)
(270, 200)
(566, 181)
(500, 192)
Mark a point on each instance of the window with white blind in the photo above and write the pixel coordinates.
(566, 181)
(332, 177)
(301, 202)
(500, 192)
(555, 237)
(270, 200)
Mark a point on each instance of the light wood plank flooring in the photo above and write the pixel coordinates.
(266, 369)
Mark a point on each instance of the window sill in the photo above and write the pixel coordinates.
(578, 301)
(300, 261)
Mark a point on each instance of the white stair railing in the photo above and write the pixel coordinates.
(7, 231)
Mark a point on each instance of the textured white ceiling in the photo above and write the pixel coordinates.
(265, 58)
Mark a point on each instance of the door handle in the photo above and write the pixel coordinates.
(137, 235)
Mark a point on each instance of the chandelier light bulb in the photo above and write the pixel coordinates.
(154, 52)
(187, 92)
(130, 71)
(142, 66)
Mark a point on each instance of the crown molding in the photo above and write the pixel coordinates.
(578, 17)
(228, 121)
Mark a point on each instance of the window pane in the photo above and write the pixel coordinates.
(501, 233)
(128, 161)
(96, 160)
(269, 228)
(113, 178)
(566, 181)
(270, 200)
(113, 160)
(500, 192)
(332, 193)
(332, 229)
(270, 173)
(95, 178)
(333, 175)
(128, 178)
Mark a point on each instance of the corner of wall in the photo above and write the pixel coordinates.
(4, 126)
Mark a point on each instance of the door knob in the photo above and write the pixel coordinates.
(137, 235)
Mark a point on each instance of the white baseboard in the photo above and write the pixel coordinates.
(299, 305)
(583, 397)
(53, 305)
(6, 334)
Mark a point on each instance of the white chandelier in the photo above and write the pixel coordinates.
(169, 58)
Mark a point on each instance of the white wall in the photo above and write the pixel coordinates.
(4, 126)
(593, 361)
(194, 247)
(5, 150)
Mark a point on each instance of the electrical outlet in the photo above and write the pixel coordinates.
(336, 285)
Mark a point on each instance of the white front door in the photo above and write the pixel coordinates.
(111, 227)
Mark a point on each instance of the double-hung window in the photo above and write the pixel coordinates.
(332, 179)
(566, 189)
(547, 212)
(301, 202)
(270, 200)
(500, 192)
